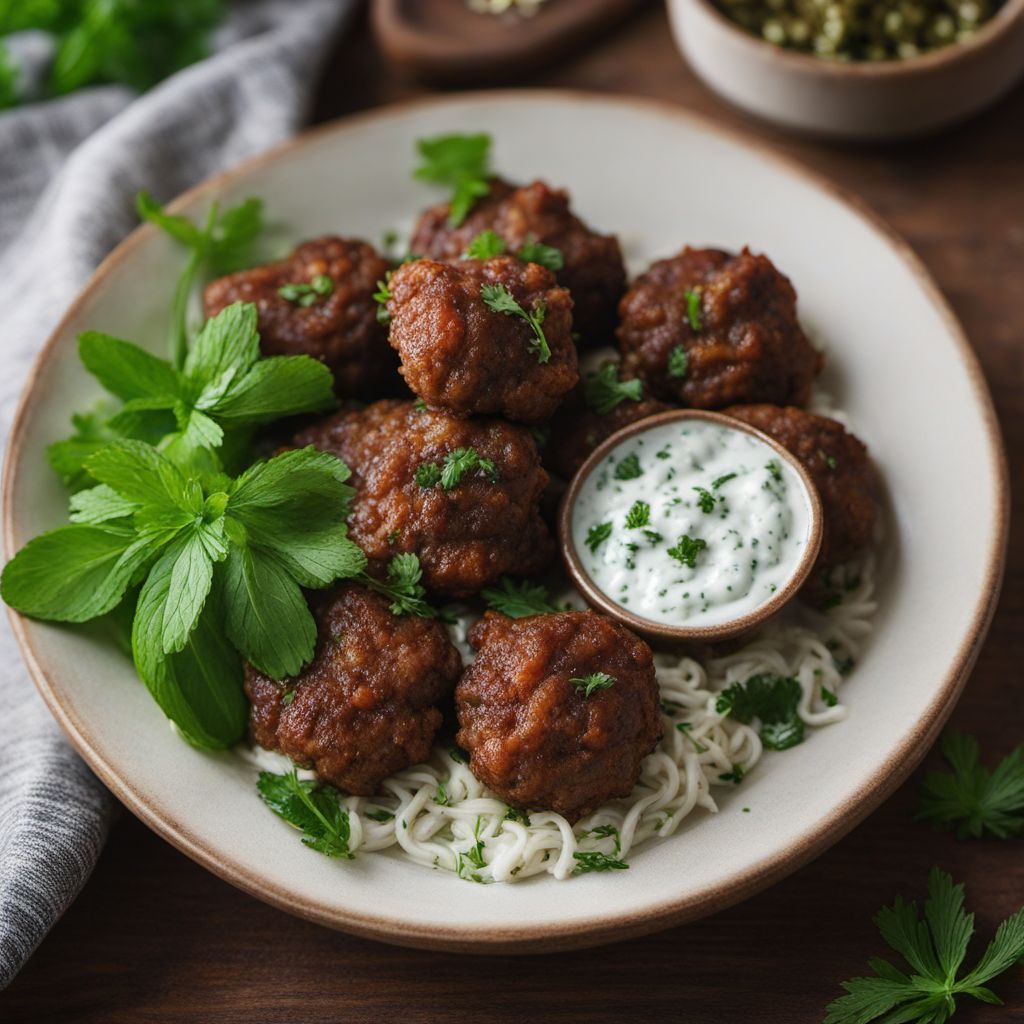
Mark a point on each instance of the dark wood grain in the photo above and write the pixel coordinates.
(155, 938)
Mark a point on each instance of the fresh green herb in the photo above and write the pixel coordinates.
(485, 246)
(678, 362)
(460, 162)
(735, 775)
(382, 296)
(498, 299)
(457, 754)
(315, 811)
(934, 949)
(687, 550)
(379, 814)
(971, 798)
(597, 535)
(830, 699)
(456, 465)
(774, 470)
(653, 536)
(8, 79)
(639, 515)
(419, 405)
(223, 243)
(693, 311)
(628, 467)
(403, 587)
(441, 796)
(518, 600)
(594, 682)
(829, 460)
(685, 728)
(545, 255)
(67, 457)
(590, 860)
(306, 295)
(722, 480)
(705, 499)
(287, 698)
(517, 815)
(605, 832)
(773, 701)
(476, 855)
(393, 537)
(388, 241)
(603, 391)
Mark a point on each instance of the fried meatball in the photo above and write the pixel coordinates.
(339, 329)
(576, 430)
(364, 708)
(741, 342)
(592, 269)
(466, 536)
(839, 465)
(533, 735)
(458, 354)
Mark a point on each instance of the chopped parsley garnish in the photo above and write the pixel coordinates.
(403, 587)
(314, 810)
(724, 479)
(830, 699)
(705, 500)
(441, 796)
(597, 535)
(456, 465)
(475, 856)
(693, 311)
(603, 391)
(379, 814)
(499, 299)
(517, 815)
(639, 515)
(382, 296)
(518, 600)
(653, 536)
(462, 163)
(589, 860)
(971, 798)
(935, 949)
(687, 550)
(419, 405)
(678, 362)
(685, 728)
(775, 471)
(306, 295)
(829, 460)
(457, 754)
(485, 246)
(628, 467)
(545, 255)
(735, 775)
(594, 682)
(773, 701)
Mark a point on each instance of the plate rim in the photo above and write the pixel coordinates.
(497, 938)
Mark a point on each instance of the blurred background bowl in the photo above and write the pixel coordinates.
(848, 100)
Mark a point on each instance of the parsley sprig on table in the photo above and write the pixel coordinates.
(499, 299)
(773, 701)
(315, 810)
(934, 949)
(603, 391)
(460, 162)
(971, 798)
(518, 600)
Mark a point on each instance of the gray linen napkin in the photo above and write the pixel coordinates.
(69, 171)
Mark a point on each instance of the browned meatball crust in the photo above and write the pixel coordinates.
(592, 270)
(457, 354)
(340, 329)
(749, 346)
(532, 735)
(364, 708)
(839, 465)
(466, 537)
(576, 430)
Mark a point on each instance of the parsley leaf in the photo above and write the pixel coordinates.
(315, 810)
(518, 600)
(590, 860)
(515, 814)
(461, 162)
(724, 479)
(499, 299)
(485, 246)
(628, 467)
(597, 535)
(547, 256)
(403, 587)
(638, 515)
(456, 465)
(934, 949)
(678, 362)
(971, 798)
(687, 550)
(705, 499)
(594, 682)
(382, 296)
(773, 701)
(306, 295)
(603, 391)
(693, 310)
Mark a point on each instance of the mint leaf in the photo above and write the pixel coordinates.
(99, 505)
(314, 810)
(227, 344)
(67, 457)
(126, 370)
(138, 472)
(277, 387)
(191, 575)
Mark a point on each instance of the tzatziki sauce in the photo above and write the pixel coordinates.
(691, 523)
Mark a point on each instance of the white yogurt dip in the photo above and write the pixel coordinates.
(691, 523)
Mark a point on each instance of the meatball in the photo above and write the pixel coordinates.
(364, 708)
(839, 465)
(710, 329)
(340, 328)
(532, 733)
(576, 430)
(592, 269)
(459, 354)
(467, 535)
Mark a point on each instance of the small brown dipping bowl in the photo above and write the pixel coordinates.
(679, 635)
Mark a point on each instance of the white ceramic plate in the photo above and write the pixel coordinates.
(898, 364)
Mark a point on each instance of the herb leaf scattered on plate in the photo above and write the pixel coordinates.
(462, 163)
(315, 810)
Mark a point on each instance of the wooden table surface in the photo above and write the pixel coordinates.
(155, 938)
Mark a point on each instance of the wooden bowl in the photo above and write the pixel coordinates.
(680, 635)
(867, 100)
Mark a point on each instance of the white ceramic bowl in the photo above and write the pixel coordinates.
(851, 100)
(898, 364)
